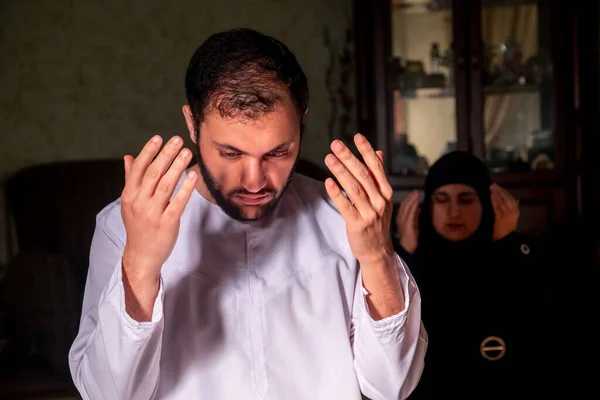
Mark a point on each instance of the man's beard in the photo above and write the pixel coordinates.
(225, 202)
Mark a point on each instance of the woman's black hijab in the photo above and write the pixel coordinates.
(446, 269)
(457, 167)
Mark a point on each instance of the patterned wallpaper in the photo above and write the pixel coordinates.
(96, 78)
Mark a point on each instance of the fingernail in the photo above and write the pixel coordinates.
(185, 153)
(337, 145)
(330, 159)
(156, 139)
(360, 138)
(191, 175)
(176, 140)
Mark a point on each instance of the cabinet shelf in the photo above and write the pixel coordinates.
(415, 120)
(508, 89)
(427, 93)
(441, 93)
(425, 6)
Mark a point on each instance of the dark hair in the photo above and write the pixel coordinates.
(243, 74)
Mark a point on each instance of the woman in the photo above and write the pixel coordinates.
(480, 282)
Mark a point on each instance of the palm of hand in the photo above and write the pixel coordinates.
(506, 212)
(407, 222)
(505, 224)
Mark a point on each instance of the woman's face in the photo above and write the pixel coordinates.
(456, 211)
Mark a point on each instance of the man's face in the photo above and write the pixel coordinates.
(247, 164)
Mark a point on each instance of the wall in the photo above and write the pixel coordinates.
(96, 78)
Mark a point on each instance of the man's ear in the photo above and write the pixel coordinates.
(189, 121)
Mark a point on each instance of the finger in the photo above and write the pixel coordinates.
(353, 188)
(406, 205)
(509, 199)
(159, 166)
(181, 198)
(128, 162)
(375, 165)
(166, 186)
(502, 199)
(348, 211)
(410, 207)
(359, 171)
(380, 155)
(416, 221)
(502, 204)
(411, 201)
(413, 210)
(413, 218)
(141, 162)
(399, 212)
(405, 209)
(496, 202)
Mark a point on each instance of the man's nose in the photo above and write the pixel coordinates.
(254, 178)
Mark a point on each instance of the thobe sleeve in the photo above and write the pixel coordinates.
(113, 356)
(389, 353)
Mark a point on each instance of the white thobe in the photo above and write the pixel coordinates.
(273, 309)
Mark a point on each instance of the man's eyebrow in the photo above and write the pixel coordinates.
(235, 149)
(227, 147)
(282, 146)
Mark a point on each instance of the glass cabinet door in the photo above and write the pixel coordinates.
(421, 85)
(518, 117)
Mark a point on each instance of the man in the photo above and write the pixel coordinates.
(235, 278)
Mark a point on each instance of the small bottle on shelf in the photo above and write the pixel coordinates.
(435, 58)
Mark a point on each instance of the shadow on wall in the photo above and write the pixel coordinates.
(312, 170)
